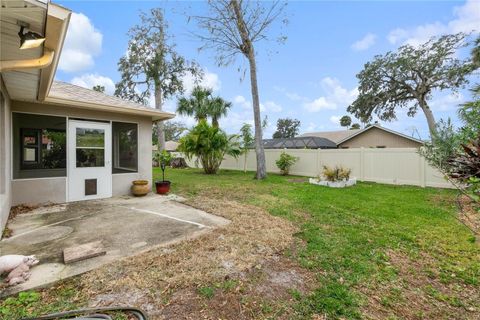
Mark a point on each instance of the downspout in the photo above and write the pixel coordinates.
(37, 63)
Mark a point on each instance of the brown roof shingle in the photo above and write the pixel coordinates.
(62, 91)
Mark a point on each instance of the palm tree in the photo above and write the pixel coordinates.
(197, 105)
(218, 108)
(209, 145)
(202, 105)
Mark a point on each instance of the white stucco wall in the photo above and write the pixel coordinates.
(5, 162)
(54, 189)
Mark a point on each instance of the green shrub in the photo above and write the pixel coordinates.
(209, 144)
(285, 162)
(337, 173)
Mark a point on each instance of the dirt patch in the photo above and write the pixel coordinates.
(21, 209)
(419, 293)
(243, 262)
(265, 290)
(15, 211)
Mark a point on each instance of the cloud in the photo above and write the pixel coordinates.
(82, 43)
(366, 42)
(271, 106)
(447, 102)
(242, 102)
(268, 106)
(90, 80)
(465, 19)
(320, 104)
(335, 120)
(336, 95)
(210, 80)
(291, 95)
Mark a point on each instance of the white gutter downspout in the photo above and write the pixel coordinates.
(38, 63)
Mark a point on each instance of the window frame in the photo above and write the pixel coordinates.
(18, 172)
(120, 170)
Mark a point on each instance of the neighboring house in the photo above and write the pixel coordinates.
(374, 136)
(170, 146)
(60, 142)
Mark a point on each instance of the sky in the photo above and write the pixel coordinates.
(311, 77)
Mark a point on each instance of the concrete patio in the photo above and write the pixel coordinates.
(125, 225)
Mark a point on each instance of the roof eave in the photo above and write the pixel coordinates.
(56, 27)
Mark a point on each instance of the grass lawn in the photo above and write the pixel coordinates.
(294, 251)
(374, 248)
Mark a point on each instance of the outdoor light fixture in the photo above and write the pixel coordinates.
(29, 39)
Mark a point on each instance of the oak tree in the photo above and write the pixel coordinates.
(406, 78)
(287, 128)
(151, 64)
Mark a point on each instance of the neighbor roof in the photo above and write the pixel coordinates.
(378, 126)
(68, 94)
(344, 135)
(299, 143)
(335, 136)
(169, 146)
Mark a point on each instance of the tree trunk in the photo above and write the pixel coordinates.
(432, 125)
(249, 52)
(261, 167)
(160, 131)
(245, 162)
(215, 123)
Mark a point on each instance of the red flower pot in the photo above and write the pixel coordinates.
(163, 187)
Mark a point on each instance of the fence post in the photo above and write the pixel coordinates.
(317, 167)
(362, 164)
(423, 173)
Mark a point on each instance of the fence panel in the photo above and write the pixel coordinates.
(402, 166)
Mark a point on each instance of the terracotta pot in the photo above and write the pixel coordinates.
(163, 187)
(140, 188)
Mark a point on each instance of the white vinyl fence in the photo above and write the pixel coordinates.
(383, 165)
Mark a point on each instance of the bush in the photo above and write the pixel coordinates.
(178, 163)
(336, 173)
(465, 168)
(209, 144)
(285, 162)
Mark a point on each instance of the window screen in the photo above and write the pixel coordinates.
(125, 147)
(39, 146)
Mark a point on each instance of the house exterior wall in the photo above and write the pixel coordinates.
(5, 156)
(54, 189)
(374, 138)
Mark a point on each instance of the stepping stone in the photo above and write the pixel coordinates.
(82, 252)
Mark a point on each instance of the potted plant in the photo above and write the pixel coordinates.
(163, 158)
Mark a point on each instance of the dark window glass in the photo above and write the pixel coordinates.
(39, 146)
(53, 151)
(125, 147)
(90, 157)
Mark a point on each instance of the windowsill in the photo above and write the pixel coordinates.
(42, 178)
(133, 172)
